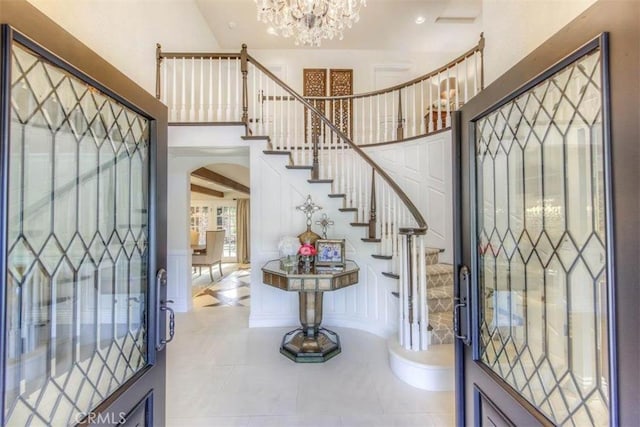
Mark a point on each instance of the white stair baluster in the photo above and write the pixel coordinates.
(457, 88)
(165, 97)
(415, 333)
(210, 103)
(201, 92)
(424, 309)
(192, 99)
(228, 91)
(475, 74)
(219, 94)
(422, 112)
(238, 103)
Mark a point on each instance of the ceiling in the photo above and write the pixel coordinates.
(383, 25)
(235, 172)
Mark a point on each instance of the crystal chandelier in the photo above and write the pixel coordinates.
(310, 21)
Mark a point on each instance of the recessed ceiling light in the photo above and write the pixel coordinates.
(420, 20)
(272, 31)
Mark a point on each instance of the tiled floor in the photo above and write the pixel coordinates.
(232, 289)
(221, 373)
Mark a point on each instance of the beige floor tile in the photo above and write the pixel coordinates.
(222, 373)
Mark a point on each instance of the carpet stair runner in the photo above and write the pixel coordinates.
(440, 298)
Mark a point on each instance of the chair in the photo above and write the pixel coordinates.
(194, 236)
(212, 253)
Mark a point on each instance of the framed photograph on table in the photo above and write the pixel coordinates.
(330, 253)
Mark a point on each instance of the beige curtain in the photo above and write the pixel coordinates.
(243, 233)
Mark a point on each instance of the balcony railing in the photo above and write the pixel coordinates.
(208, 88)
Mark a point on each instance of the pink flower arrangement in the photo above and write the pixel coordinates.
(307, 249)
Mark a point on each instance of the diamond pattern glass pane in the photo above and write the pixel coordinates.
(542, 245)
(78, 239)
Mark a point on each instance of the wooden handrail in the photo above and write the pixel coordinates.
(477, 48)
(198, 55)
(417, 216)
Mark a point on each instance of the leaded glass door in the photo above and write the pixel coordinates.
(539, 251)
(80, 293)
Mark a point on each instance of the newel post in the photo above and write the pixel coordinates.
(414, 312)
(158, 64)
(244, 69)
(372, 210)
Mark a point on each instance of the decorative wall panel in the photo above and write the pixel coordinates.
(315, 84)
(341, 84)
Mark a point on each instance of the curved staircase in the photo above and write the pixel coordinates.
(293, 126)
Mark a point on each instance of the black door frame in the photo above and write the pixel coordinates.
(24, 24)
(622, 20)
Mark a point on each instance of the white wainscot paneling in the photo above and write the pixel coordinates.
(436, 161)
(179, 273)
(412, 158)
(437, 218)
(423, 168)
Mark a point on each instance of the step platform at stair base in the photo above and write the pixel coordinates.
(431, 369)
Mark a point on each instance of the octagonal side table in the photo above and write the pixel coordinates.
(310, 343)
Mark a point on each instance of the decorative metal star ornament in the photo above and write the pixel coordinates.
(324, 222)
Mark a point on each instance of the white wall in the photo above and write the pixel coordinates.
(363, 62)
(125, 32)
(423, 168)
(513, 29)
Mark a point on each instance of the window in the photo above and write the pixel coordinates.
(200, 222)
(226, 219)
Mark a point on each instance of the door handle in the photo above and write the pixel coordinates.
(172, 322)
(462, 302)
(162, 307)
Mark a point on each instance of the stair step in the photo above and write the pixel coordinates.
(277, 152)
(256, 138)
(348, 209)
(320, 181)
(432, 255)
(381, 256)
(371, 240)
(359, 224)
(303, 167)
(390, 275)
(440, 299)
(337, 196)
(439, 275)
(441, 327)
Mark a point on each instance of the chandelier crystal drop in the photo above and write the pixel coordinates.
(310, 21)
